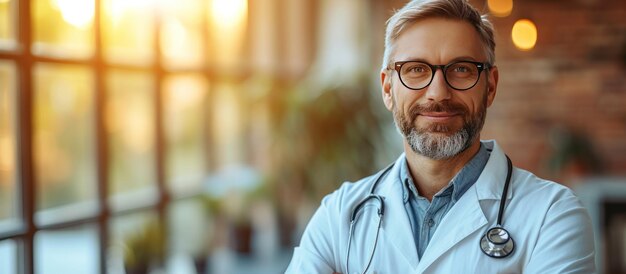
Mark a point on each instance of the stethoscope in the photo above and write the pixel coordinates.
(496, 243)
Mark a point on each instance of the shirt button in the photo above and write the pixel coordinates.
(431, 222)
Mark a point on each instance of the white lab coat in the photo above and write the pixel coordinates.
(551, 229)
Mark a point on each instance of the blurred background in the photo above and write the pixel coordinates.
(199, 136)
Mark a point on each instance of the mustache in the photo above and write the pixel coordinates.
(450, 107)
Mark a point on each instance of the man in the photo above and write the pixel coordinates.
(450, 203)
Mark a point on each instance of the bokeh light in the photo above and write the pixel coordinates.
(524, 34)
(500, 8)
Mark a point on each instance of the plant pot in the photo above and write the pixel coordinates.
(139, 269)
(242, 238)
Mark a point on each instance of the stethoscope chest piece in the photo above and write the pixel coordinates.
(497, 243)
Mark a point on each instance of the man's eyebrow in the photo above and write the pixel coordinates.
(463, 58)
(414, 60)
(456, 59)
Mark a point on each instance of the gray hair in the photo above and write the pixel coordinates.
(453, 9)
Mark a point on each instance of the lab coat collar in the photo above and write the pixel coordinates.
(491, 181)
(452, 228)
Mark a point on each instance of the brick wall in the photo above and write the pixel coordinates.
(574, 80)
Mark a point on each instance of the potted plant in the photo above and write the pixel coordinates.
(325, 134)
(144, 248)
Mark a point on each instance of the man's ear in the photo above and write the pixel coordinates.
(492, 85)
(385, 80)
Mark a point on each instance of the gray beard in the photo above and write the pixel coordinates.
(431, 143)
(437, 146)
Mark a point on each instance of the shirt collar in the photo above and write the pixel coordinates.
(461, 182)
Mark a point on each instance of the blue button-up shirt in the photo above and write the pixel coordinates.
(425, 216)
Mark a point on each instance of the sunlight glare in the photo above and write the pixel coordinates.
(78, 13)
(175, 36)
(228, 12)
(118, 9)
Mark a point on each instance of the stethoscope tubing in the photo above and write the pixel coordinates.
(505, 191)
(353, 225)
(381, 213)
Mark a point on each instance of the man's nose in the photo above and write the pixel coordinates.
(438, 90)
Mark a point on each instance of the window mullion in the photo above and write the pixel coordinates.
(164, 196)
(101, 139)
(24, 138)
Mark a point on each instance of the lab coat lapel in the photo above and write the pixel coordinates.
(466, 216)
(396, 226)
(463, 219)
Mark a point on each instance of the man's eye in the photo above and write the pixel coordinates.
(416, 69)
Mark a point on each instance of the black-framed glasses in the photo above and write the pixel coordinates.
(460, 75)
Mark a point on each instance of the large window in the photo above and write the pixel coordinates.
(106, 125)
